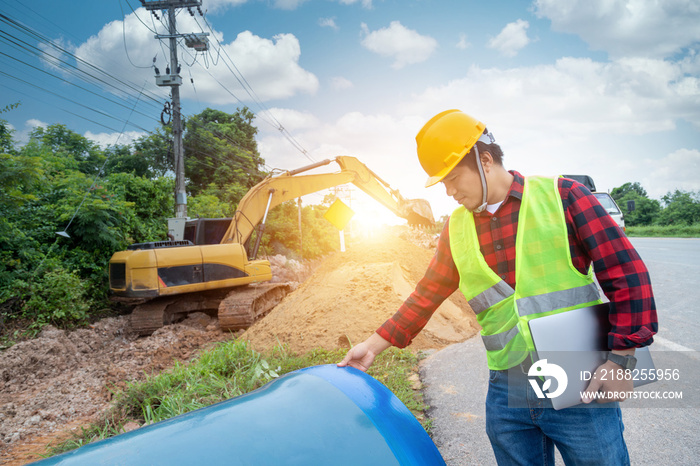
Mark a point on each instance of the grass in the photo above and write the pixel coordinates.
(668, 231)
(230, 369)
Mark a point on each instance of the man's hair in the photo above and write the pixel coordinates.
(494, 149)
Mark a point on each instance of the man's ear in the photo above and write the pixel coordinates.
(486, 160)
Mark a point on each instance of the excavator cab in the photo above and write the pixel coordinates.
(206, 230)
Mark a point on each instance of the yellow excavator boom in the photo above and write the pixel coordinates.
(275, 190)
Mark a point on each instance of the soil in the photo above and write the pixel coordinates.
(352, 293)
(62, 380)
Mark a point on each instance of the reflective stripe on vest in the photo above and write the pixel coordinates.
(546, 280)
(557, 299)
(499, 341)
(491, 296)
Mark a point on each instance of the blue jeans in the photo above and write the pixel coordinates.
(527, 435)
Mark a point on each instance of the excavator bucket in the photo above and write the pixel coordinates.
(417, 212)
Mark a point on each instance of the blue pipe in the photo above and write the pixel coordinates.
(321, 415)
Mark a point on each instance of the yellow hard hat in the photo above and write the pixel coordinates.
(444, 141)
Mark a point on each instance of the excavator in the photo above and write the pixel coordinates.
(214, 269)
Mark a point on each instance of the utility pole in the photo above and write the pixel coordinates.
(173, 79)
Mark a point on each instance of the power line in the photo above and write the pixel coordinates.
(249, 90)
(67, 99)
(63, 109)
(43, 39)
(138, 17)
(88, 73)
(126, 50)
(72, 84)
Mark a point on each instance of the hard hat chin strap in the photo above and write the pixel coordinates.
(484, 187)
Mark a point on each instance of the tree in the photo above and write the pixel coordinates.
(19, 178)
(120, 159)
(680, 208)
(6, 144)
(149, 203)
(634, 189)
(50, 185)
(645, 210)
(220, 149)
(281, 234)
(156, 150)
(208, 204)
(62, 142)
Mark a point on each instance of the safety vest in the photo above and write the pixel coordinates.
(546, 282)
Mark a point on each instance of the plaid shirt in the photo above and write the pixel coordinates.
(594, 237)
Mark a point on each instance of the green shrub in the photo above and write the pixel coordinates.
(57, 298)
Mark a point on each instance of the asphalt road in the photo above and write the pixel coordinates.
(657, 432)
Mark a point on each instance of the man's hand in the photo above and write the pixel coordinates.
(609, 378)
(362, 356)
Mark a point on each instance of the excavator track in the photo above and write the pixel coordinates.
(237, 308)
(148, 317)
(241, 309)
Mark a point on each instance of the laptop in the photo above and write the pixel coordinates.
(577, 343)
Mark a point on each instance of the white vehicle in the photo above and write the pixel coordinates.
(611, 206)
(605, 199)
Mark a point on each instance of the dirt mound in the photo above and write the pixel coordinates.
(64, 379)
(354, 292)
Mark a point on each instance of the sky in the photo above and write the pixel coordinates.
(607, 88)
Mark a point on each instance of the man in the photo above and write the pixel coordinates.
(512, 245)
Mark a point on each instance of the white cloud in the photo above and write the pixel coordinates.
(53, 54)
(578, 116)
(110, 139)
(365, 3)
(328, 23)
(292, 120)
(658, 28)
(21, 136)
(511, 39)
(271, 64)
(218, 5)
(373, 139)
(34, 123)
(404, 45)
(339, 83)
(288, 4)
(575, 97)
(677, 170)
(462, 43)
(383, 142)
